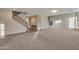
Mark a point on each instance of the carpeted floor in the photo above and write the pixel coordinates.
(48, 39)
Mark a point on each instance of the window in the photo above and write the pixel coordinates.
(2, 31)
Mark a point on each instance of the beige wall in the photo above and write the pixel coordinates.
(11, 26)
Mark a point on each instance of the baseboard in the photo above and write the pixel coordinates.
(14, 33)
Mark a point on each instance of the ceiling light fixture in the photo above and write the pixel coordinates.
(54, 11)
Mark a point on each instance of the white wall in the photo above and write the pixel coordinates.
(11, 26)
(42, 22)
(64, 20)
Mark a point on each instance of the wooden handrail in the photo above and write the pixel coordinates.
(21, 21)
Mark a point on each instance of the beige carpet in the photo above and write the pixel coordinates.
(47, 39)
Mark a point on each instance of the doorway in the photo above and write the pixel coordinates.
(33, 23)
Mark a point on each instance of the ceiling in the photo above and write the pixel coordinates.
(44, 11)
(47, 11)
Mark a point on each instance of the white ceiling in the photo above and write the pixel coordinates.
(43, 11)
(47, 11)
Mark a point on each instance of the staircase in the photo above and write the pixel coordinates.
(19, 19)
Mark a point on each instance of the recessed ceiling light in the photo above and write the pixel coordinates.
(54, 11)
